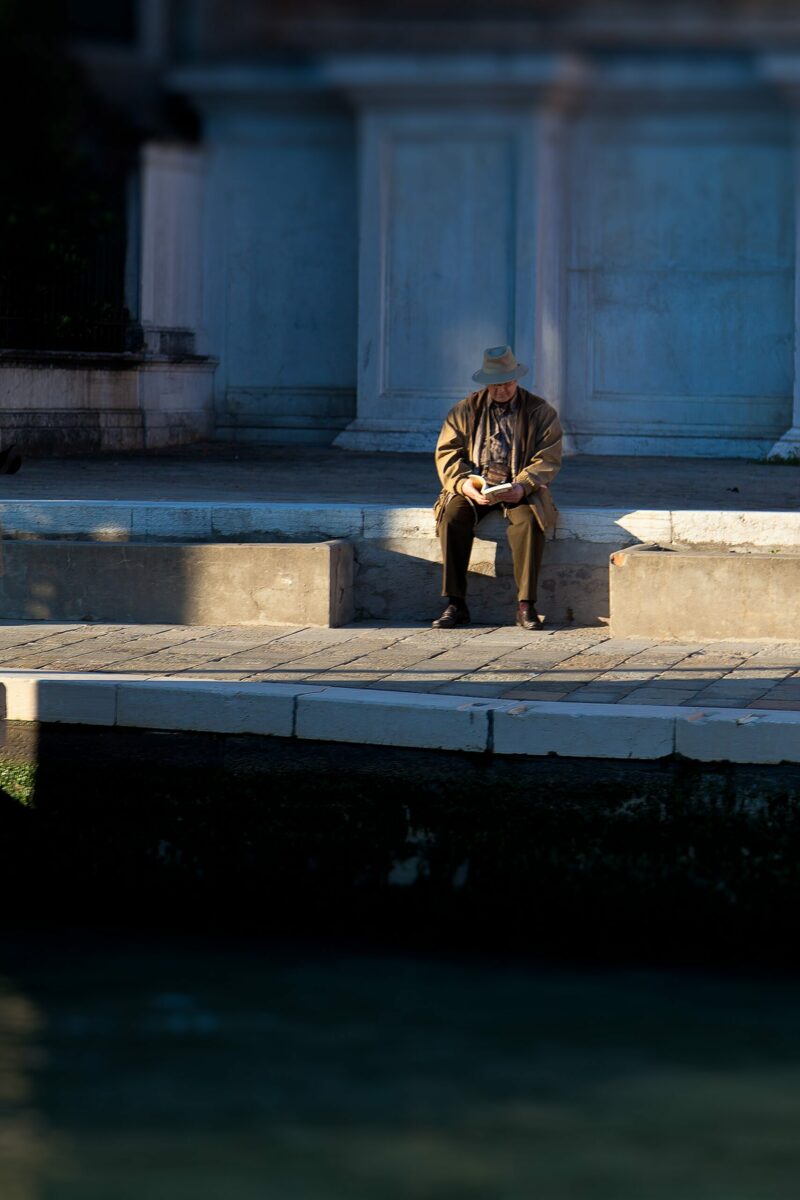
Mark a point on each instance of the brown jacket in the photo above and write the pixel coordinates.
(536, 457)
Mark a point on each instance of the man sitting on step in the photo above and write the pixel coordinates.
(504, 435)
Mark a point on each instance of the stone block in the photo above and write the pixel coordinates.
(721, 527)
(394, 719)
(184, 584)
(68, 698)
(703, 595)
(739, 735)
(179, 387)
(397, 567)
(42, 382)
(585, 731)
(67, 518)
(60, 402)
(393, 522)
(401, 577)
(211, 707)
(618, 527)
(176, 522)
(289, 521)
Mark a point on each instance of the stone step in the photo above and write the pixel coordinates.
(695, 594)
(178, 583)
(397, 565)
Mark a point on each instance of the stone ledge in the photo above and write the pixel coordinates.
(242, 519)
(698, 594)
(395, 719)
(182, 584)
(397, 571)
(586, 730)
(210, 707)
(370, 717)
(83, 403)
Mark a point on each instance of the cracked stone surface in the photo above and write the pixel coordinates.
(567, 663)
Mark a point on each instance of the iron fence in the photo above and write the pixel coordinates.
(76, 303)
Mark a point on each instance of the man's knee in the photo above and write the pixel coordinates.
(522, 514)
(458, 511)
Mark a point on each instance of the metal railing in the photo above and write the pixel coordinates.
(67, 305)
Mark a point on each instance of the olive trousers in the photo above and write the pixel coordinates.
(457, 532)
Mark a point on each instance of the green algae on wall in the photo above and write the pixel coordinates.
(17, 780)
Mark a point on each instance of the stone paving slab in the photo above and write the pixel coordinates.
(256, 474)
(504, 663)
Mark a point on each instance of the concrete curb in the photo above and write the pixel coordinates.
(388, 718)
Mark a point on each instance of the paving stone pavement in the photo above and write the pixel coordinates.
(569, 663)
(211, 471)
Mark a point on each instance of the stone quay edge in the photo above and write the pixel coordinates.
(358, 716)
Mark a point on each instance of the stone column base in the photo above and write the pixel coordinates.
(788, 446)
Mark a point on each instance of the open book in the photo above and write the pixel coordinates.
(488, 489)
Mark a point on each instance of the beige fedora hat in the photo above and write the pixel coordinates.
(499, 366)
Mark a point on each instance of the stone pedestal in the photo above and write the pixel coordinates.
(788, 446)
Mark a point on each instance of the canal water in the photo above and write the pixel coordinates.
(186, 1070)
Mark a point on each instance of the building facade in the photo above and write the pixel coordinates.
(364, 211)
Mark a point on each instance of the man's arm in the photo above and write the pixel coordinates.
(545, 462)
(452, 451)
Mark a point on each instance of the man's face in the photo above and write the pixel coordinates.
(501, 393)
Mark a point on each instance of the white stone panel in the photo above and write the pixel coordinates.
(281, 252)
(99, 519)
(717, 527)
(163, 520)
(173, 197)
(680, 279)
(616, 527)
(394, 719)
(60, 697)
(447, 261)
(259, 708)
(240, 521)
(585, 730)
(740, 736)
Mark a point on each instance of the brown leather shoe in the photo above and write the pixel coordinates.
(527, 616)
(453, 615)
(10, 460)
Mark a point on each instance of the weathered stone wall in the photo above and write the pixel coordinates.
(429, 849)
(625, 220)
(56, 403)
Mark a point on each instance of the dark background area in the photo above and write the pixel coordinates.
(66, 158)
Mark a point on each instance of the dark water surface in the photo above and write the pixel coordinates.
(170, 1071)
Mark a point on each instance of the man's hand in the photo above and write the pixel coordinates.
(471, 492)
(512, 495)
